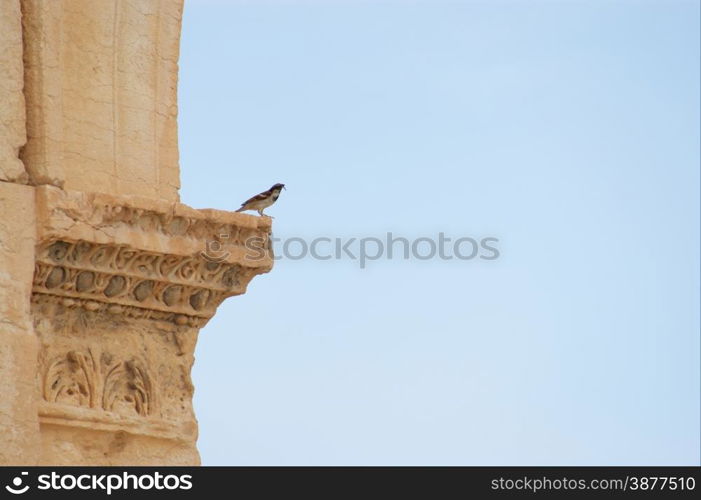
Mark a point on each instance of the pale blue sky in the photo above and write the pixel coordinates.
(569, 130)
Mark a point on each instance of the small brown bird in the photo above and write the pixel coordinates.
(263, 200)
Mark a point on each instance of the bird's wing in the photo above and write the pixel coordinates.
(259, 197)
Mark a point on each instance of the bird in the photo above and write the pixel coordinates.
(263, 200)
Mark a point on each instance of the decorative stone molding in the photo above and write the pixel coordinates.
(146, 224)
(80, 378)
(71, 417)
(120, 280)
(143, 258)
(121, 287)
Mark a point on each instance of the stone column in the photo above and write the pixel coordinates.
(106, 279)
(101, 90)
(19, 425)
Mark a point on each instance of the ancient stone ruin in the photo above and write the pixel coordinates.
(105, 280)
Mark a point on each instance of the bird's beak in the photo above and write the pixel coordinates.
(283, 187)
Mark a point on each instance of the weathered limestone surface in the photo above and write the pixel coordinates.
(12, 117)
(19, 426)
(101, 90)
(105, 278)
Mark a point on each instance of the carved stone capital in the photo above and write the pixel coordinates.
(121, 287)
(144, 258)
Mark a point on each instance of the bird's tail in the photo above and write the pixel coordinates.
(241, 209)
